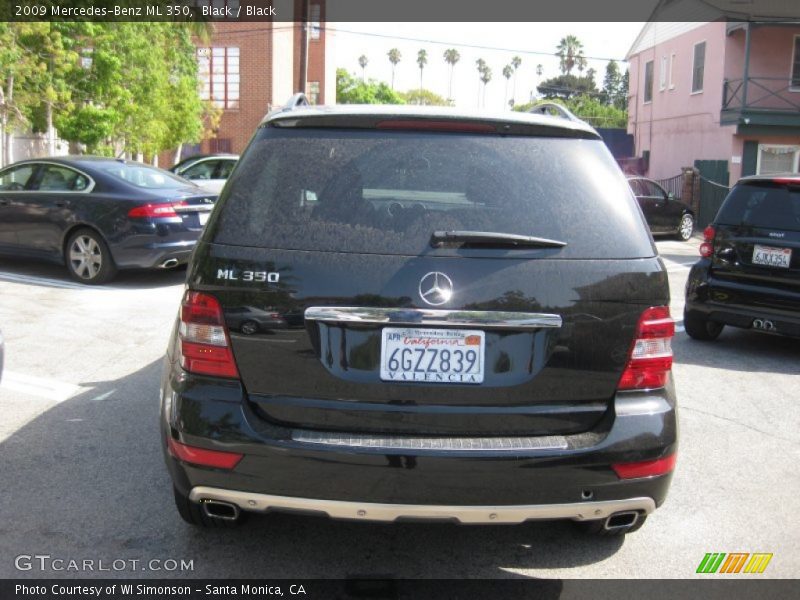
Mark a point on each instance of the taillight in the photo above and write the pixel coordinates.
(164, 209)
(707, 247)
(205, 347)
(203, 457)
(646, 468)
(650, 360)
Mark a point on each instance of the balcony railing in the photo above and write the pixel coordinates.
(761, 94)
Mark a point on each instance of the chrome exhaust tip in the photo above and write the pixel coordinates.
(621, 520)
(170, 263)
(220, 510)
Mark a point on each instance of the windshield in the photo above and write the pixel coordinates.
(145, 177)
(387, 192)
(762, 204)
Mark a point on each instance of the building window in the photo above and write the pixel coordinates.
(776, 158)
(698, 67)
(662, 78)
(648, 81)
(218, 70)
(796, 65)
(313, 92)
(314, 15)
(671, 71)
(220, 145)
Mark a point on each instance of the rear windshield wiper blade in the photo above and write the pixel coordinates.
(491, 239)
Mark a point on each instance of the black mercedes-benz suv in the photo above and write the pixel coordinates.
(472, 325)
(749, 273)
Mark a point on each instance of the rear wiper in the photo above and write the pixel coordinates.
(491, 239)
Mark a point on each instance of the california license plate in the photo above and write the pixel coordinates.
(772, 257)
(432, 355)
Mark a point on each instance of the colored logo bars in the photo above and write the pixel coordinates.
(735, 562)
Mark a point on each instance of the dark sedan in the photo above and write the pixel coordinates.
(97, 215)
(664, 213)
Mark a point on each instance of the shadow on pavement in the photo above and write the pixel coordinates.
(740, 350)
(32, 269)
(86, 480)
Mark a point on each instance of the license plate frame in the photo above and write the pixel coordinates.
(771, 256)
(428, 367)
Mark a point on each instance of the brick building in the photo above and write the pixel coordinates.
(248, 68)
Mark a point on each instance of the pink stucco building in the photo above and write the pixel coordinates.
(718, 91)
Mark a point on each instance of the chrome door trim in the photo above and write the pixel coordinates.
(485, 319)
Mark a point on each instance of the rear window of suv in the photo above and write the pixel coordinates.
(762, 204)
(386, 192)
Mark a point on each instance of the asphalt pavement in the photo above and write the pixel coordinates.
(82, 476)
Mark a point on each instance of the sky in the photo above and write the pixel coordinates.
(534, 43)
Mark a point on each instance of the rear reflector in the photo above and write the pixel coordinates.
(647, 468)
(650, 358)
(203, 457)
(425, 125)
(205, 346)
(153, 211)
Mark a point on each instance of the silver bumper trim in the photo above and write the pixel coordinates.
(452, 444)
(368, 511)
(416, 316)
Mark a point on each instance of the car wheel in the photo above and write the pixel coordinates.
(686, 227)
(193, 513)
(598, 527)
(88, 258)
(249, 327)
(699, 327)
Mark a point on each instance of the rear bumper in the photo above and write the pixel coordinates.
(738, 305)
(284, 469)
(148, 250)
(367, 511)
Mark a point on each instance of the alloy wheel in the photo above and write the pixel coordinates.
(86, 257)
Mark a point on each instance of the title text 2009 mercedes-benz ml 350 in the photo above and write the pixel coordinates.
(455, 316)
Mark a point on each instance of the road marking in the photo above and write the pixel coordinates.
(102, 397)
(17, 278)
(49, 389)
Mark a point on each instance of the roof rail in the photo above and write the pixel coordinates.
(548, 108)
(296, 101)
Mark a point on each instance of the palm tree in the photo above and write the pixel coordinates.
(451, 57)
(480, 64)
(394, 58)
(508, 71)
(422, 60)
(486, 77)
(515, 62)
(570, 53)
(363, 61)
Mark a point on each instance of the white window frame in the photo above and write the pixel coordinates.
(671, 71)
(795, 167)
(694, 92)
(662, 76)
(791, 65)
(644, 82)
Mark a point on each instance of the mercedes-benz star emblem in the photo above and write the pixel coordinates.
(436, 288)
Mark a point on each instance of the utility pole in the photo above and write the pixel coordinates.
(304, 48)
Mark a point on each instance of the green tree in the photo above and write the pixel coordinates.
(567, 86)
(351, 90)
(486, 77)
(570, 54)
(592, 110)
(422, 60)
(481, 66)
(451, 57)
(425, 98)
(516, 62)
(612, 82)
(394, 58)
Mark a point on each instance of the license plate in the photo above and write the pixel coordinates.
(203, 216)
(772, 257)
(432, 355)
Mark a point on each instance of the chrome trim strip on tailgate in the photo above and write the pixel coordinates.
(350, 440)
(369, 511)
(417, 316)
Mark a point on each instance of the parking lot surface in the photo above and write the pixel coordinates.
(82, 476)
